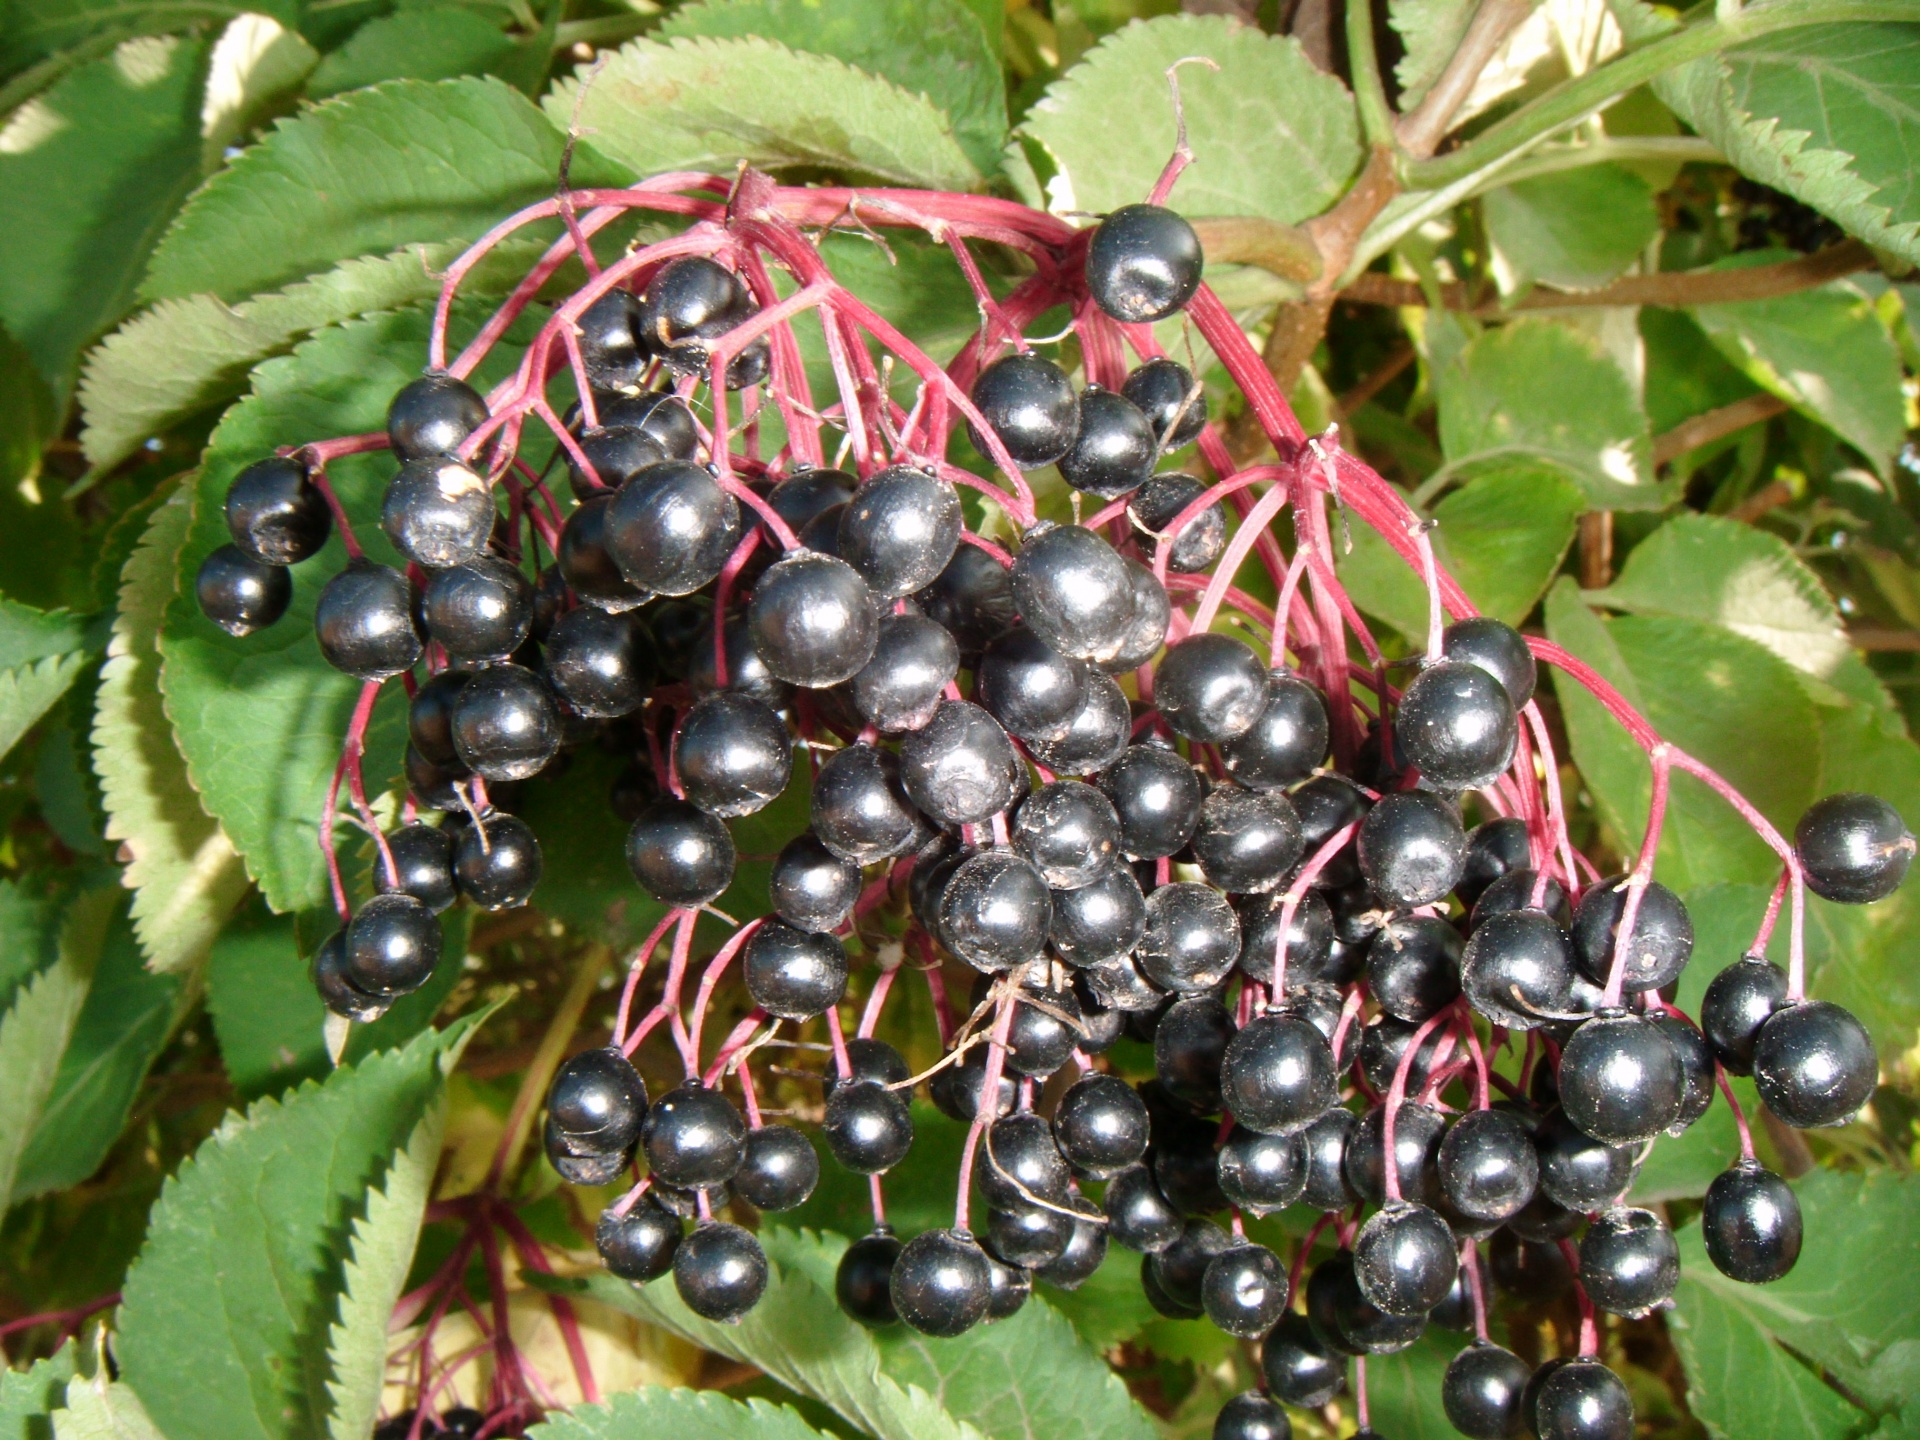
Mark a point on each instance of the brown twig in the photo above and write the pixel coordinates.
(1767, 497)
(1867, 638)
(1425, 126)
(1692, 433)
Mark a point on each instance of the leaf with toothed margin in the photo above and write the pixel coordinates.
(99, 1410)
(28, 1397)
(654, 1410)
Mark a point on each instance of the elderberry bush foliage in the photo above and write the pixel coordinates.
(1089, 784)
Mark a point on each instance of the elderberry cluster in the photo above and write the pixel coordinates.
(1114, 818)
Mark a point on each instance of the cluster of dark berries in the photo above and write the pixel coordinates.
(1067, 787)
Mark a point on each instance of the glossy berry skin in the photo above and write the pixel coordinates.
(1115, 449)
(1119, 985)
(680, 855)
(1210, 687)
(1030, 687)
(1629, 1262)
(1309, 940)
(275, 514)
(1251, 1416)
(1085, 1252)
(1143, 264)
(805, 495)
(1247, 840)
(1100, 1126)
(1662, 938)
(812, 888)
(900, 530)
(1344, 1320)
(1297, 1367)
(1139, 1215)
(585, 564)
(614, 455)
(940, 1283)
(914, 660)
(1189, 1044)
(610, 344)
(1412, 848)
(1814, 1064)
(1147, 631)
(694, 1137)
(1286, 741)
(860, 811)
(1278, 1074)
(1044, 1031)
(1620, 1080)
(1583, 1400)
(337, 990)
(479, 611)
(995, 911)
(1327, 1140)
(497, 862)
(1244, 1290)
(239, 593)
(1019, 1163)
(601, 664)
(1855, 848)
(1384, 1044)
(433, 416)
(671, 528)
(1326, 805)
(1413, 967)
(972, 600)
(1457, 726)
(794, 974)
(597, 1102)
(437, 512)
(1482, 1391)
(867, 1127)
(505, 726)
(868, 1060)
(778, 1170)
(1404, 1259)
(720, 1271)
(1750, 1221)
(1157, 505)
(1696, 1068)
(1495, 849)
(734, 755)
(1074, 591)
(1181, 1269)
(1739, 1000)
(1070, 833)
(1496, 648)
(960, 768)
(1577, 1171)
(1261, 1173)
(1192, 938)
(1165, 392)
(663, 418)
(1514, 891)
(581, 1169)
(957, 1090)
(1026, 1235)
(392, 945)
(1488, 1166)
(1416, 1144)
(813, 620)
(364, 621)
(1518, 969)
(639, 1245)
(689, 303)
(863, 1281)
(1157, 798)
(1029, 403)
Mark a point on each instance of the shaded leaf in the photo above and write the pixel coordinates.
(703, 104)
(1272, 134)
(99, 1410)
(29, 692)
(1686, 375)
(28, 1396)
(683, 1414)
(934, 48)
(28, 936)
(437, 42)
(1574, 229)
(1403, 1390)
(184, 873)
(223, 1326)
(27, 413)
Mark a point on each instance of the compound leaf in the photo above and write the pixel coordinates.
(437, 42)
(684, 1414)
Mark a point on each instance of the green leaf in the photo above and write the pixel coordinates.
(1109, 1307)
(1272, 134)
(184, 873)
(254, 66)
(1686, 375)
(28, 937)
(436, 42)
(1831, 115)
(1574, 229)
(223, 1327)
(684, 1414)
(28, 1396)
(99, 1410)
(1503, 399)
(703, 104)
(27, 413)
(30, 691)
(378, 1257)
(100, 162)
(1403, 1390)
(35, 1029)
(1749, 1349)
(1502, 535)
(409, 162)
(934, 48)
(1826, 354)
(1431, 31)
(120, 1030)
(1708, 568)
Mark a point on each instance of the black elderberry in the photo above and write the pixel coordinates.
(1115, 449)
(1278, 1075)
(438, 512)
(1143, 263)
(1750, 1222)
(1404, 1259)
(497, 862)
(1029, 403)
(1298, 1367)
(900, 530)
(813, 620)
(1251, 1416)
(720, 1271)
(1261, 1173)
(638, 1245)
(957, 1089)
(1327, 1140)
(1488, 1167)
(587, 1170)
(867, 1127)
(995, 911)
(863, 1280)
(1514, 891)
(941, 1283)
(1482, 1391)
(690, 303)
(734, 755)
(241, 594)
(1100, 1126)
(1518, 969)
(1069, 831)
(338, 991)
(812, 888)
(432, 785)
(1147, 630)
(611, 349)
(778, 1169)
(1189, 1044)
(1384, 1043)
(613, 455)
(1457, 725)
(694, 1137)
(1027, 1235)
(1582, 1400)
(1192, 938)
(364, 621)
(1188, 1171)
(679, 854)
(805, 495)
(1495, 849)
(1020, 1164)
(1174, 406)
(1344, 1320)
(1496, 648)
(1620, 1079)
(1247, 840)
(1244, 1290)
(1118, 984)
(794, 974)
(972, 599)
(433, 415)
(600, 663)
(1629, 1262)
(1030, 687)
(1577, 1171)
(392, 945)
(960, 768)
(1814, 1064)
(671, 528)
(869, 1060)
(1696, 1067)
(1417, 1130)
(1286, 742)
(1157, 798)
(1309, 938)
(1074, 590)
(1412, 848)
(585, 563)
(1854, 848)
(1739, 1000)
(505, 725)
(1210, 687)
(1045, 1030)
(1139, 1215)
(1661, 943)
(597, 1102)
(275, 514)
(914, 660)
(1098, 921)
(1413, 967)
(1181, 1268)
(480, 611)
(1156, 508)
(1085, 1252)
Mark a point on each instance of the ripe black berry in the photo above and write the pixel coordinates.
(914, 660)
(1247, 840)
(1261, 1173)
(433, 416)
(1278, 1074)
(671, 528)
(1739, 1000)
(1298, 1367)
(1855, 848)
(1583, 1400)
(1027, 1235)
(734, 755)
(600, 663)
(1210, 687)
(1344, 1320)
(1192, 937)
(1045, 1030)
(1157, 797)
(691, 302)
(1417, 1130)
(1189, 1044)
(863, 1281)
(1404, 1259)
(1181, 1268)
(957, 1090)
(1147, 631)
(720, 1271)
(1488, 1167)
(438, 512)
(1482, 1392)
(960, 768)
(1412, 848)
(275, 514)
(1069, 831)
(1020, 1164)
(597, 1102)
(680, 855)
(972, 599)
(364, 621)
(867, 1127)
(900, 530)
(1629, 1262)
(392, 945)
(1577, 1171)
(1620, 1080)
(1814, 1064)
(1517, 969)
(585, 563)
(1139, 1216)
(1251, 1416)
(1100, 1126)
(1750, 1221)
(1696, 1068)
(1029, 403)
(995, 911)
(940, 1283)
(1662, 937)
(860, 811)
(778, 1170)
(505, 725)
(614, 455)
(1030, 687)
(1309, 939)
(479, 611)
(1413, 967)
(639, 1245)
(239, 593)
(1456, 725)
(610, 345)
(812, 888)
(813, 620)
(1327, 1140)
(1286, 742)
(1115, 449)
(422, 866)
(337, 988)
(1494, 850)
(1143, 263)
(694, 1137)
(580, 1169)
(1497, 648)
(794, 974)
(1244, 1290)
(497, 862)
(1174, 406)
(1074, 590)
